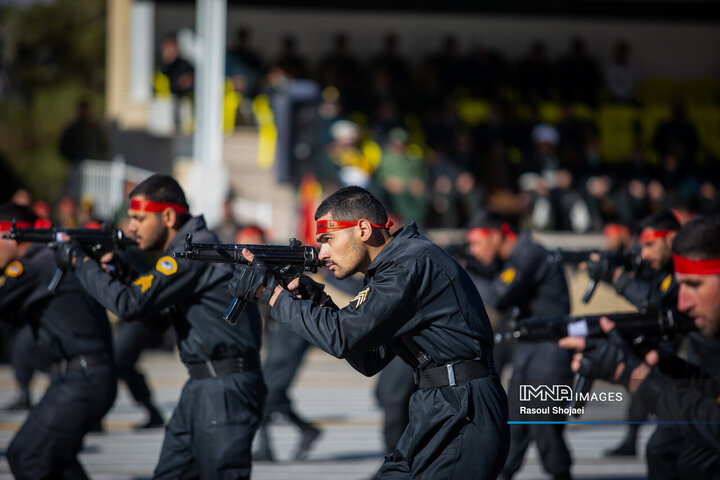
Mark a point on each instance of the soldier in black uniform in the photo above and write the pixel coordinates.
(532, 282)
(417, 303)
(211, 430)
(651, 286)
(26, 358)
(284, 353)
(691, 403)
(75, 332)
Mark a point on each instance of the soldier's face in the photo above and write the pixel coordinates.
(699, 298)
(656, 253)
(342, 252)
(486, 248)
(147, 229)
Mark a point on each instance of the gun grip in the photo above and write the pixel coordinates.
(582, 385)
(234, 310)
(589, 290)
(55, 280)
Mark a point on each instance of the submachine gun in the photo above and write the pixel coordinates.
(286, 262)
(95, 241)
(643, 331)
(629, 260)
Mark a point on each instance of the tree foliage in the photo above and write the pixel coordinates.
(52, 55)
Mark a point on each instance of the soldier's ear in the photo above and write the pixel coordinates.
(364, 230)
(168, 217)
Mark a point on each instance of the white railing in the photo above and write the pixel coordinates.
(105, 183)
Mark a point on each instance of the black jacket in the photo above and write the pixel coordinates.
(194, 292)
(66, 323)
(412, 288)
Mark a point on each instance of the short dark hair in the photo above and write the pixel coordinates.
(352, 204)
(12, 211)
(699, 237)
(163, 188)
(491, 220)
(664, 220)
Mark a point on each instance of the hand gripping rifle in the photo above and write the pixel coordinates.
(96, 242)
(286, 262)
(628, 260)
(642, 330)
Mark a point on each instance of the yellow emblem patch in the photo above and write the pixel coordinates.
(508, 276)
(144, 282)
(14, 269)
(666, 283)
(2, 280)
(360, 297)
(166, 266)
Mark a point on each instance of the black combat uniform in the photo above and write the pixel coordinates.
(419, 304)
(393, 390)
(534, 282)
(211, 430)
(74, 331)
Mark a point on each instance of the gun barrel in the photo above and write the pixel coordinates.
(270, 254)
(85, 236)
(659, 323)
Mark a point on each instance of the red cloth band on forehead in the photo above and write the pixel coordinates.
(707, 266)
(615, 230)
(39, 223)
(477, 234)
(155, 207)
(650, 235)
(327, 226)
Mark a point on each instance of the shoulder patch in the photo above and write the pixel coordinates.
(166, 265)
(666, 283)
(144, 282)
(14, 269)
(360, 297)
(508, 275)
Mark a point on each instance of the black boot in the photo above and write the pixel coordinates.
(264, 453)
(308, 436)
(156, 419)
(627, 447)
(22, 402)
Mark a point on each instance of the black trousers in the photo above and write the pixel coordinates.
(285, 351)
(542, 363)
(131, 339)
(27, 356)
(210, 433)
(672, 456)
(454, 432)
(47, 444)
(394, 387)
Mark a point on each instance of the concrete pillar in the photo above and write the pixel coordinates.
(142, 48)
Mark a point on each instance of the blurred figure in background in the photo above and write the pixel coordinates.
(284, 353)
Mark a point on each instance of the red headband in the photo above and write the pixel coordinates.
(39, 223)
(326, 226)
(650, 235)
(155, 207)
(477, 234)
(707, 266)
(615, 230)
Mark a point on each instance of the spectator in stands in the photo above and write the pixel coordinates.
(390, 61)
(403, 177)
(83, 139)
(447, 64)
(244, 66)
(578, 138)
(290, 61)
(228, 228)
(341, 69)
(178, 70)
(536, 77)
(677, 137)
(484, 72)
(578, 74)
(620, 77)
